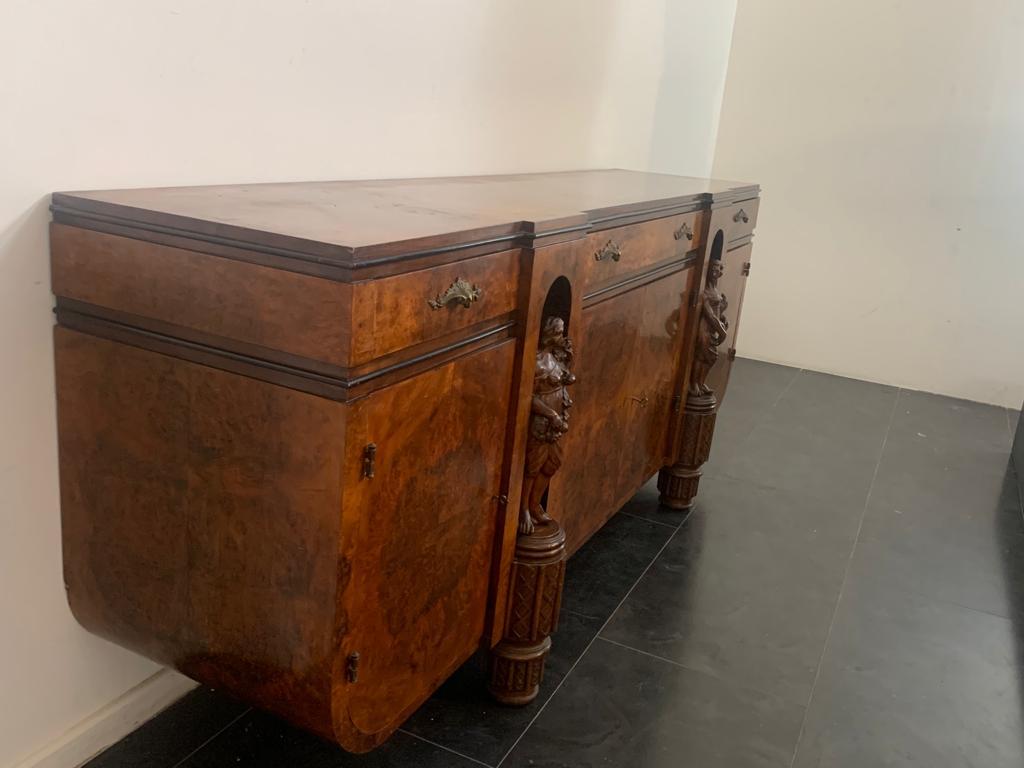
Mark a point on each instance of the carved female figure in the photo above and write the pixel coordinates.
(712, 331)
(549, 420)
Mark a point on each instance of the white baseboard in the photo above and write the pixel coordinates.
(112, 723)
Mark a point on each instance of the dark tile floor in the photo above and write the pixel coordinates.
(848, 592)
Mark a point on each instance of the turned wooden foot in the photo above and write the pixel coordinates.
(517, 662)
(678, 483)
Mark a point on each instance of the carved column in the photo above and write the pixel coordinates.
(678, 483)
(517, 662)
(538, 568)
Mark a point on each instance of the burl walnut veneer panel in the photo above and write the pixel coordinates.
(320, 442)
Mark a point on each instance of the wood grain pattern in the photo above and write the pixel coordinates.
(233, 300)
(292, 472)
(394, 312)
(641, 246)
(742, 218)
(200, 520)
(418, 538)
(359, 223)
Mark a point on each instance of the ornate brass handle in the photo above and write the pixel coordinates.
(642, 400)
(609, 251)
(741, 215)
(683, 231)
(460, 292)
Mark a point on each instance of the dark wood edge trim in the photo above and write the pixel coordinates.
(342, 261)
(622, 219)
(352, 374)
(637, 279)
(728, 202)
(333, 387)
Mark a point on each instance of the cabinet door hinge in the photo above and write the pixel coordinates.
(501, 499)
(677, 404)
(369, 460)
(694, 296)
(746, 268)
(352, 667)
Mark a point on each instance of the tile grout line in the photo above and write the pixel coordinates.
(762, 415)
(726, 681)
(648, 520)
(446, 749)
(592, 641)
(206, 743)
(846, 574)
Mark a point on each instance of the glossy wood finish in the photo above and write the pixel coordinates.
(295, 418)
(200, 520)
(636, 248)
(417, 538)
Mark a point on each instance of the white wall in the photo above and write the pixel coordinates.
(889, 141)
(125, 93)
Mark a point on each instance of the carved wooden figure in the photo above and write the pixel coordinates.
(314, 437)
(538, 570)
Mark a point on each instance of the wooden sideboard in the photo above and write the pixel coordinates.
(319, 442)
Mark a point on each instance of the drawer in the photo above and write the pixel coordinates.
(614, 253)
(392, 313)
(741, 219)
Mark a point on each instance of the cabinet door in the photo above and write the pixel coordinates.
(588, 484)
(652, 380)
(733, 282)
(418, 536)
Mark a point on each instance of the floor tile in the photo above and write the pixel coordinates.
(946, 418)
(623, 708)
(754, 388)
(746, 589)
(645, 505)
(823, 439)
(173, 734)
(910, 681)
(600, 574)
(260, 740)
(969, 555)
(463, 717)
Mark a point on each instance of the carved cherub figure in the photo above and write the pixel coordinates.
(549, 420)
(712, 331)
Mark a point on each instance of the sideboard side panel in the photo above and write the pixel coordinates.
(200, 519)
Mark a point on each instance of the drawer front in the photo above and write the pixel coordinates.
(741, 219)
(615, 253)
(392, 313)
(198, 296)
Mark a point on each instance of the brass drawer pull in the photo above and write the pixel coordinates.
(642, 400)
(460, 292)
(683, 231)
(609, 251)
(741, 215)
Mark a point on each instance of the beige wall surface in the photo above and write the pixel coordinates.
(889, 141)
(122, 93)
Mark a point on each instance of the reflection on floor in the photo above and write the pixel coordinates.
(848, 592)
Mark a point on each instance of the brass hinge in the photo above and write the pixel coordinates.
(746, 268)
(352, 667)
(369, 460)
(501, 499)
(694, 296)
(677, 404)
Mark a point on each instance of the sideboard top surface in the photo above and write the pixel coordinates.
(355, 223)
